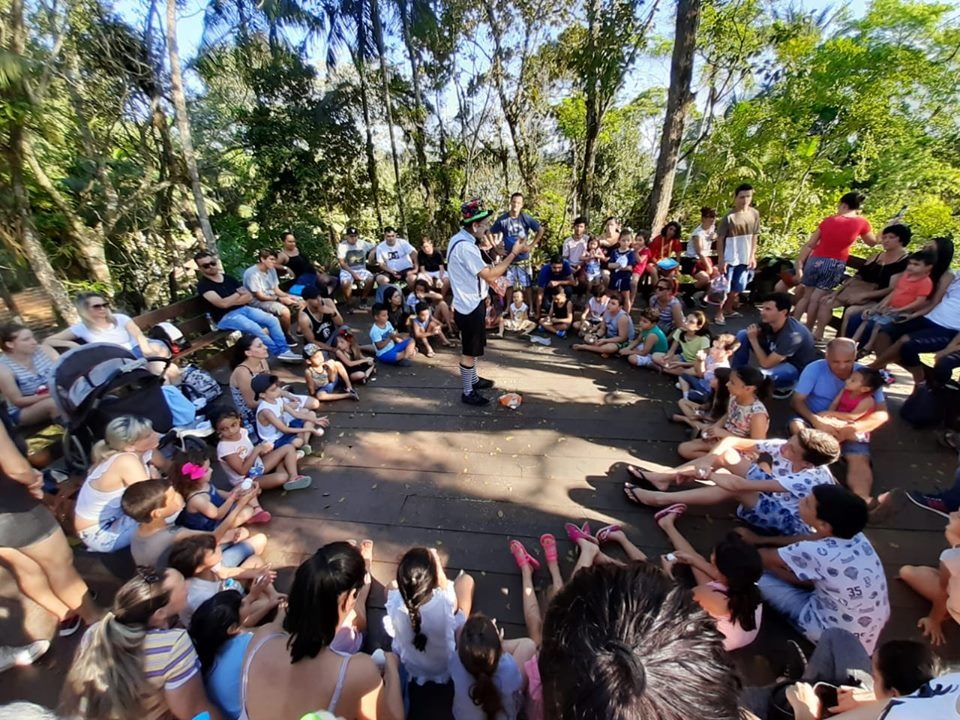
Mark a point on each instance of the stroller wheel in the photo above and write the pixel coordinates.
(75, 455)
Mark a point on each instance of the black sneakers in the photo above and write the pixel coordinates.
(475, 398)
(482, 384)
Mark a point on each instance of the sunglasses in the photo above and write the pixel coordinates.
(99, 306)
(208, 265)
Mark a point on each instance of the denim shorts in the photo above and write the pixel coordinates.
(737, 277)
(823, 273)
(518, 276)
(235, 553)
(288, 438)
(114, 534)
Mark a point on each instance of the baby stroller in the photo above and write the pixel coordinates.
(93, 384)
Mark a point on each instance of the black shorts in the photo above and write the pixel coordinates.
(688, 265)
(473, 332)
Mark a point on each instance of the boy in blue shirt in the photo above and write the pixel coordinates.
(391, 347)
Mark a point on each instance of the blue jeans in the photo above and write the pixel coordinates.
(251, 321)
(789, 600)
(784, 375)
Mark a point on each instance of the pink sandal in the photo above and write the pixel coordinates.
(603, 532)
(677, 509)
(522, 557)
(549, 544)
(577, 533)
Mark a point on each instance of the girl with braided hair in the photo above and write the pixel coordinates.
(488, 672)
(425, 611)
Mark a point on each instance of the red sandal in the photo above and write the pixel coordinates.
(603, 532)
(549, 544)
(576, 533)
(522, 557)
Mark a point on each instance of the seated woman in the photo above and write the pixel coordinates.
(293, 666)
(928, 332)
(121, 459)
(250, 358)
(26, 371)
(99, 324)
(130, 665)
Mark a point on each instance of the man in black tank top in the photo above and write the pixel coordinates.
(319, 319)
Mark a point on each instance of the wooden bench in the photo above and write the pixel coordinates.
(190, 317)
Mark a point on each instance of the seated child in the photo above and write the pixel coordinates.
(593, 260)
(726, 584)
(200, 561)
(325, 374)
(648, 341)
(347, 350)
(643, 265)
(911, 291)
(559, 316)
(240, 459)
(492, 319)
(424, 614)
(488, 674)
(591, 319)
(940, 586)
(717, 292)
(688, 341)
(155, 505)
(281, 420)
(517, 316)
(700, 415)
(695, 385)
(204, 506)
(421, 292)
(423, 326)
(857, 397)
(391, 347)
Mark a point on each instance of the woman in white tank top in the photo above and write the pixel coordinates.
(120, 460)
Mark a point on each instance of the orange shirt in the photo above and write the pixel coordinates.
(909, 289)
(661, 248)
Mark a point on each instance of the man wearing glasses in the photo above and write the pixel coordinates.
(228, 303)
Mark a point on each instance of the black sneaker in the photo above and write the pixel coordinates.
(69, 626)
(931, 503)
(795, 662)
(782, 393)
(292, 341)
(482, 384)
(475, 398)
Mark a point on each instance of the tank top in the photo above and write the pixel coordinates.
(245, 677)
(29, 381)
(878, 274)
(323, 328)
(267, 432)
(612, 324)
(299, 264)
(99, 505)
(734, 636)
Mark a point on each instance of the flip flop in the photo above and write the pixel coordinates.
(635, 472)
(603, 532)
(677, 509)
(522, 557)
(575, 533)
(549, 544)
(628, 489)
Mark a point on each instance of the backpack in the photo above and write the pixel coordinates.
(930, 406)
(170, 335)
(197, 383)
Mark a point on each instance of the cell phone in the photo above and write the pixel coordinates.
(828, 697)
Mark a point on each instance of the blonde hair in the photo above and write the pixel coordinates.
(80, 303)
(107, 680)
(120, 433)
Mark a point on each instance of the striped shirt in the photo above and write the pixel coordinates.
(29, 381)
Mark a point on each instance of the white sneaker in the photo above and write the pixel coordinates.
(290, 357)
(22, 656)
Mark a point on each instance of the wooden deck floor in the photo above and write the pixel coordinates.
(410, 465)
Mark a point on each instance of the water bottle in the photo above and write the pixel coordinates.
(255, 472)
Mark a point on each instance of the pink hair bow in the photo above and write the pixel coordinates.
(192, 471)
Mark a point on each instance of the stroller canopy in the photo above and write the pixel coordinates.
(84, 371)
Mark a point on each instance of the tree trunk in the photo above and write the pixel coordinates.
(89, 241)
(419, 135)
(371, 158)
(588, 168)
(679, 100)
(183, 126)
(387, 105)
(29, 242)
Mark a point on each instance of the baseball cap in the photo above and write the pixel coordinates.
(351, 230)
(310, 349)
(261, 382)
